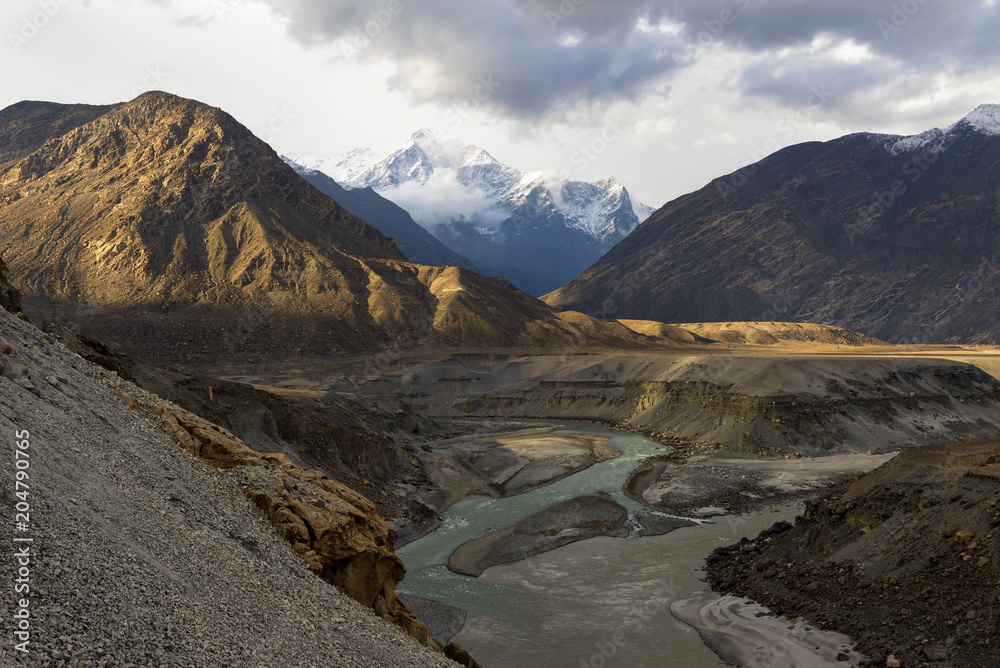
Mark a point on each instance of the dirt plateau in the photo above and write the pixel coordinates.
(905, 559)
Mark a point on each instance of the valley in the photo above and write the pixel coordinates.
(298, 391)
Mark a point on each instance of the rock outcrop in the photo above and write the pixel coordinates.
(12, 366)
(338, 532)
(10, 297)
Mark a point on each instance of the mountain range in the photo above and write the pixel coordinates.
(537, 229)
(896, 237)
(417, 244)
(168, 230)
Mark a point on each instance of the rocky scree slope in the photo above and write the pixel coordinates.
(904, 559)
(147, 555)
(895, 237)
(350, 440)
(166, 229)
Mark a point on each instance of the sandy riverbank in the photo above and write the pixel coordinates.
(743, 633)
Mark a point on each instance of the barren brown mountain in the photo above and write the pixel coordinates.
(895, 237)
(164, 227)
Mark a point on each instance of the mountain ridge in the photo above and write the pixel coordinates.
(537, 229)
(887, 235)
(168, 230)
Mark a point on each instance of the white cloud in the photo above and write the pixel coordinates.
(443, 199)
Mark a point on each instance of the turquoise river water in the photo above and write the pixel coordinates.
(596, 603)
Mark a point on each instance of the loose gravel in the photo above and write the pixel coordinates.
(146, 556)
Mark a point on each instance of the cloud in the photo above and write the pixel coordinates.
(855, 47)
(443, 199)
(543, 56)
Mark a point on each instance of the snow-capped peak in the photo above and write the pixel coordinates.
(441, 151)
(611, 186)
(985, 118)
(896, 144)
(431, 165)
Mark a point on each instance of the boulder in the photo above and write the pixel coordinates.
(16, 369)
(964, 537)
(935, 653)
(459, 654)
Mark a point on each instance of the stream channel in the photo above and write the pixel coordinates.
(595, 603)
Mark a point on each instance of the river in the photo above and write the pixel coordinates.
(599, 602)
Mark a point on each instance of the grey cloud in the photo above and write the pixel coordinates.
(549, 55)
(917, 30)
(545, 55)
(826, 88)
(913, 42)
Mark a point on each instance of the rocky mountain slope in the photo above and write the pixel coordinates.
(895, 237)
(150, 546)
(349, 440)
(536, 229)
(903, 559)
(418, 244)
(25, 126)
(166, 229)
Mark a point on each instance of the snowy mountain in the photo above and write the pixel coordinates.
(417, 244)
(341, 169)
(537, 229)
(893, 236)
(984, 119)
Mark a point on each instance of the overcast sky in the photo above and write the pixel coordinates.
(662, 95)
